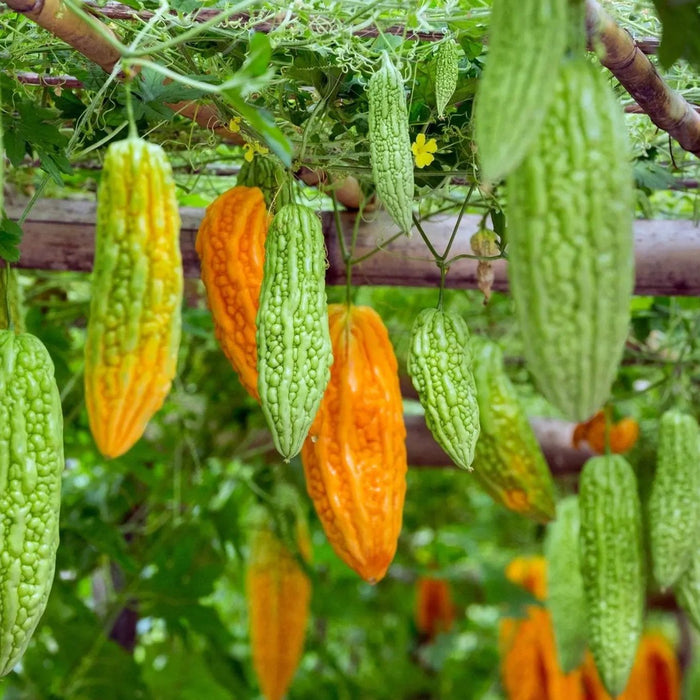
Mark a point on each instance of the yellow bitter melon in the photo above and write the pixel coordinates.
(133, 331)
(294, 344)
(355, 454)
(31, 464)
(570, 243)
(390, 143)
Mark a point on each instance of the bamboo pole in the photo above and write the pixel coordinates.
(667, 108)
(59, 235)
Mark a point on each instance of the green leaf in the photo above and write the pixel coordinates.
(681, 31)
(10, 237)
(176, 670)
(652, 176)
(152, 90)
(15, 147)
(257, 62)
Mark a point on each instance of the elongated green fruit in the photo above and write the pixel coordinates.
(527, 39)
(674, 509)
(687, 589)
(390, 143)
(440, 365)
(31, 464)
(508, 461)
(612, 566)
(446, 73)
(565, 598)
(570, 243)
(294, 345)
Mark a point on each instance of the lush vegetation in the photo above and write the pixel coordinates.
(149, 595)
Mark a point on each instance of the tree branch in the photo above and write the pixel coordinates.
(61, 21)
(623, 57)
(64, 23)
(665, 107)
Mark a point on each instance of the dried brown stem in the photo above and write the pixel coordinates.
(665, 107)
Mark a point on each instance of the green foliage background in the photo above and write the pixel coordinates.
(162, 532)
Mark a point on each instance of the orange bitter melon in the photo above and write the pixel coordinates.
(278, 593)
(231, 247)
(355, 454)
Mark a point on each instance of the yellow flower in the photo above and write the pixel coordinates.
(423, 151)
(234, 125)
(252, 148)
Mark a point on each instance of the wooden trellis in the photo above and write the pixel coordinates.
(60, 234)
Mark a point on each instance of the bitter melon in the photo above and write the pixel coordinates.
(612, 566)
(527, 39)
(294, 345)
(31, 464)
(570, 243)
(446, 74)
(390, 143)
(355, 454)
(565, 598)
(231, 247)
(440, 366)
(278, 594)
(508, 461)
(133, 332)
(674, 510)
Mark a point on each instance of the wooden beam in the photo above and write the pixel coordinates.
(554, 436)
(59, 235)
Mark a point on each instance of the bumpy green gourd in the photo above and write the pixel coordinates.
(270, 177)
(508, 461)
(294, 345)
(390, 143)
(612, 566)
(440, 365)
(446, 73)
(527, 39)
(31, 464)
(687, 589)
(570, 243)
(565, 598)
(674, 508)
